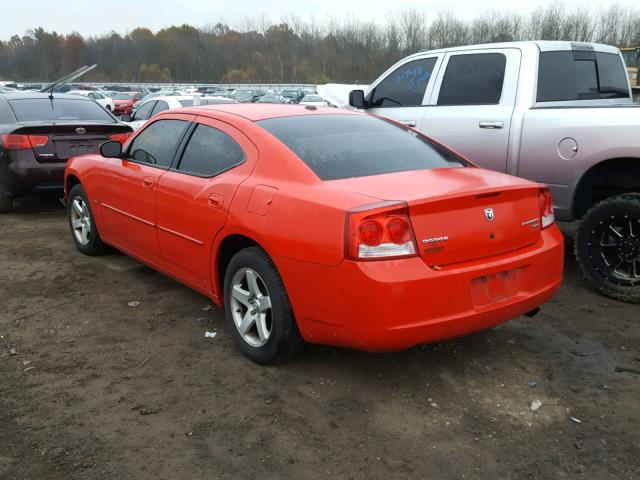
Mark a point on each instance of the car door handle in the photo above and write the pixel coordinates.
(491, 125)
(215, 200)
(147, 181)
(408, 123)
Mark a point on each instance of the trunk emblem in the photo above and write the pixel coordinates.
(488, 214)
(81, 130)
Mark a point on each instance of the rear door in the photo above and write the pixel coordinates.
(472, 104)
(128, 190)
(401, 93)
(194, 197)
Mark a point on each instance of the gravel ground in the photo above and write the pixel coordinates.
(93, 388)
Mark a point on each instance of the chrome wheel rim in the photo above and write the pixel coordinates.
(80, 220)
(615, 249)
(251, 307)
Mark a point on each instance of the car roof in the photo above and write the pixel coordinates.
(33, 95)
(256, 112)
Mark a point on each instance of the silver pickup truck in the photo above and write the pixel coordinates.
(560, 113)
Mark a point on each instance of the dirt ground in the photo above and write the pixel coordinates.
(92, 388)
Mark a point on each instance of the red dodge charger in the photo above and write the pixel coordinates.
(320, 225)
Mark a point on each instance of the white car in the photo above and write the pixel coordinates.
(313, 99)
(98, 97)
(154, 105)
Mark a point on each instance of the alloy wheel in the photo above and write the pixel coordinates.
(80, 221)
(251, 307)
(614, 249)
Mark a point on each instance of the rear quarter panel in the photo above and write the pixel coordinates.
(601, 133)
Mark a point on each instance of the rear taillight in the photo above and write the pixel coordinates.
(12, 141)
(379, 231)
(121, 137)
(545, 202)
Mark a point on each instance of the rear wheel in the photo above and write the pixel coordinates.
(607, 247)
(6, 203)
(84, 230)
(257, 308)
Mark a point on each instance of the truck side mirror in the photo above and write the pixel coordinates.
(356, 99)
(111, 149)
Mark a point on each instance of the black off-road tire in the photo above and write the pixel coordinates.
(95, 245)
(285, 340)
(6, 203)
(623, 210)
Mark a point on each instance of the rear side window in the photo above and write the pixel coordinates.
(157, 143)
(60, 109)
(144, 112)
(404, 87)
(161, 106)
(346, 146)
(210, 152)
(580, 75)
(473, 79)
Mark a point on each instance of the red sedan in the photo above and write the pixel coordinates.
(123, 102)
(320, 225)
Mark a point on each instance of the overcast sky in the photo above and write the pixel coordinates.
(91, 17)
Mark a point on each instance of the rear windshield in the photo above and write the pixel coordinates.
(60, 109)
(186, 103)
(581, 75)
(122, 96)
(346, 146)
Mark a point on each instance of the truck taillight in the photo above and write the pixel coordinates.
(379, 231)
(121, 137)
(12, 141)
(545, 202)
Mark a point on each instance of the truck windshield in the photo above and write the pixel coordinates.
(569, 76)
(346, 146)
(58, 109)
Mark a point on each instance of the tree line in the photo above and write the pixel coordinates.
(295, 50)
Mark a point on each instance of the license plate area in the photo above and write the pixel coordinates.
(498, 287)
(68, 148)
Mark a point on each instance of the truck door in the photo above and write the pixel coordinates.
(472, 103)
(401, 93)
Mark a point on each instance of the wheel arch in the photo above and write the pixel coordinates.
(71, 181)
(603, 180)
(231, 244)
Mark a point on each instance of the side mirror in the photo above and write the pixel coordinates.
(356, 99)
(126, 117)
(111, 149)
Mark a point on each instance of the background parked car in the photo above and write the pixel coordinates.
(38, 134)
(123, 102)
(294, 95)
(313, 99)
(98, 97)
(272, 98)
(244, 95)
(155, 105)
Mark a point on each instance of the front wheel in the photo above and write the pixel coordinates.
(84, 230)
(607, 247)
(257, 308)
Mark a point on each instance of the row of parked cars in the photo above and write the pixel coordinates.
(339, 227)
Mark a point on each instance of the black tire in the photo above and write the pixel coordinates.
(284, 340)
(6, 203)
(607, 247)
(95, 245)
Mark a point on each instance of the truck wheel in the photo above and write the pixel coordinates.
(607, 247)
(6, 203)
(257, 308)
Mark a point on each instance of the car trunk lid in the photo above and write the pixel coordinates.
(460, 214)
(66, 140)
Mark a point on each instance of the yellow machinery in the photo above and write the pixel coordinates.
(631, 57)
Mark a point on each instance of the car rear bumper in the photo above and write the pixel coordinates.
(22, 173)
(395, 304)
